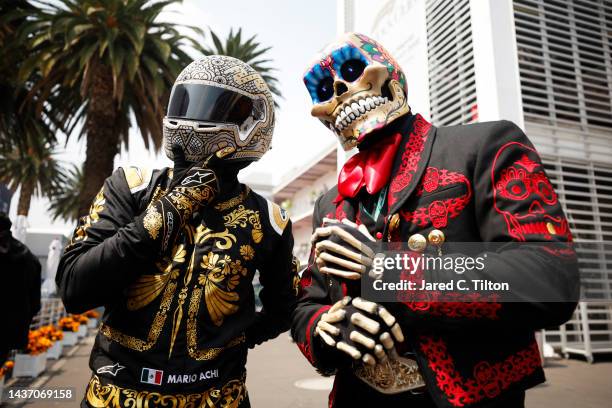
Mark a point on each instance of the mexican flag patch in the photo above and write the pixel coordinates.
(151, 376)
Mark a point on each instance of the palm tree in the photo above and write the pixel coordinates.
(121, 60)
(28, 162)
(27, 128)
(249, 51)
(64, 201)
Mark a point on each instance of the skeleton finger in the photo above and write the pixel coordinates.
(326, 338)
(361, 228)
(368, 359)
(365, 341)
(396, 330)
(390, 321)
(334, 317)
(328, 328)
(329, 246)
(388, 344)
(379, 352)
(339, 304)
(365, 305)
(350, 350)
(386, 341)
(321, 232)
(328, 258)
(351, 240)
(367, 324)
(337, 272)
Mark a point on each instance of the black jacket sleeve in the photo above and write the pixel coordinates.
(515, 205)
(314, 300)
(106, 249)
(276, 275)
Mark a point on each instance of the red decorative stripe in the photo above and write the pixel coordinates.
(410, 158)
(489, 379)
(306, 348)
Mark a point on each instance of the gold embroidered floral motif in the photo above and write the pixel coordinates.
(209, 353)
(135, 343)
(152, 222)
(242, 216)
(144, 291)
(80, 234)
(247, 252)
(219, 279)
(234, 201)
(148, 287)
(230, 395)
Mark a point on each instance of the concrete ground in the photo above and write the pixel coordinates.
(278, 376)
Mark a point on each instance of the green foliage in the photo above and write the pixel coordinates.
(30, 160)
(249, 51)
(69, 39)
(64, 201)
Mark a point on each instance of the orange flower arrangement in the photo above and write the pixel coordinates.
(38, 342)
(6, 367)
(81, 318)
(52, 333)
(92, 314)
(68, 323)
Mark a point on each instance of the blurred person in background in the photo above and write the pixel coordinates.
(21, 280)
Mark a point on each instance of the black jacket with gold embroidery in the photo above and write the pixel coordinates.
(180, 323)
(475, 183)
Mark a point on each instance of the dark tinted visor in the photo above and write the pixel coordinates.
(209, 103)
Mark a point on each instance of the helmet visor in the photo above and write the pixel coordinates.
(209, 104)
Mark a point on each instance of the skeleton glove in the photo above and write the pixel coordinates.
(340, 249)
(194, 185)
(360, 329)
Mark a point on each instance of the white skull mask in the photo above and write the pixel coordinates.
(356, 88)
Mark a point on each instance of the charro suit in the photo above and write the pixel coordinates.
(177, 327)
(475, 183)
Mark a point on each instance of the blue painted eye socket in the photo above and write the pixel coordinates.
(319, 83)
(349, 62)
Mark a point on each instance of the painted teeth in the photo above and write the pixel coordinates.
(354, 110)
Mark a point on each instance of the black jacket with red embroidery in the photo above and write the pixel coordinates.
(476, 183)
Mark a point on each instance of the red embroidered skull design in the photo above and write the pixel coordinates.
(525, 197)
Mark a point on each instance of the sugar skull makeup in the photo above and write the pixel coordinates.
(356, 88)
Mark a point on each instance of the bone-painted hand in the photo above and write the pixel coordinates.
(353, 326)
(340, 249)
(194, 185)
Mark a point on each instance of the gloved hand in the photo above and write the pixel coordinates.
(193, 185)
(340, 249)
(360, 329)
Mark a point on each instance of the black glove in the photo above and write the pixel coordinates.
(340, 248)
(360, 329)
(193, 185)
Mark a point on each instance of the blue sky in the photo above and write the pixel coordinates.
(296, 31)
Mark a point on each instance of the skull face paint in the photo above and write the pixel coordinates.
(356, 88)
(521, 182)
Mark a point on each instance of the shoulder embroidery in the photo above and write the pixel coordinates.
(137, 178)
(278, 217)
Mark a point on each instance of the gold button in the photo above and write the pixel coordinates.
(551, 228)
(417, 243)
(436, 237)
(394, 222)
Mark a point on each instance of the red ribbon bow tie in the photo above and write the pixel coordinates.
(370, 168)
